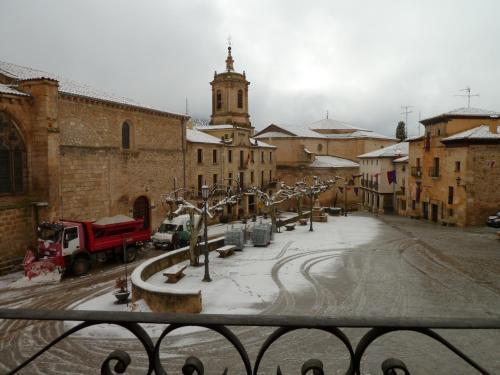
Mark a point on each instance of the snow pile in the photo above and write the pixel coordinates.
(42, 278)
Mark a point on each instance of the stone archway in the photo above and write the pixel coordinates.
(142, 210)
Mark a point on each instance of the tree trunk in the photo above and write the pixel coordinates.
(272, 210)
(193, 241)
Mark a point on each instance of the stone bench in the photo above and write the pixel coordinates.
(226, 250)
(174, 273)
(290, 227)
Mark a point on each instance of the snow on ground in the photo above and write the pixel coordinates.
(242, 283)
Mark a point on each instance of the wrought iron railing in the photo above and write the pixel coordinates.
(220, 323)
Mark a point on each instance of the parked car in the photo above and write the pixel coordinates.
(174, 233)
(494, 220)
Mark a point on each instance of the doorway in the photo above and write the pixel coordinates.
(425, 210)
(141, 210)
(251, 204)
(434, 212)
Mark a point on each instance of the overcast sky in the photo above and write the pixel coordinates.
(361, 61)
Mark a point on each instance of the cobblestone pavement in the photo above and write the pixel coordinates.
(411, 269)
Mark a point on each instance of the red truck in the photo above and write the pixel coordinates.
(74, 245)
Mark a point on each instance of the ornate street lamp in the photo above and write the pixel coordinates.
(204, 195)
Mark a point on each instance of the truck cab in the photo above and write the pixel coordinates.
(174, 233)
(59, 241)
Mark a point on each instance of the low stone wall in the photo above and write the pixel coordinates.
(167, 298)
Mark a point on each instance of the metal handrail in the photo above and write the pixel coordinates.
(219, 323)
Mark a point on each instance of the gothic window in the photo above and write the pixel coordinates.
(219, 99)
(240, 98)
(125, 136)
(13, 165)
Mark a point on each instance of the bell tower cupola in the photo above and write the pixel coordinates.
(230, 96)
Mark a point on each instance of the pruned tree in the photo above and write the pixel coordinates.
(401, 131)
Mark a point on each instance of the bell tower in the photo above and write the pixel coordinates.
(230, 96)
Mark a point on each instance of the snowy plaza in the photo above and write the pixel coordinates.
(357, 266)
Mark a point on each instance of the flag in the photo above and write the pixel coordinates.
(491, 163)
(356, 190)
(391, 177)
(248, 160)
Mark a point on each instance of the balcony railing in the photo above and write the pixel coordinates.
(283, 324)
(434, 172)
(416, 171)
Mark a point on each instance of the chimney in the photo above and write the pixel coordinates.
(494, 124)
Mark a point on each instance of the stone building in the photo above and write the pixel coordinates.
(70, 151)
(327, 148)
(401, 185)
(224, 152)
(455, 168)
(379, 178)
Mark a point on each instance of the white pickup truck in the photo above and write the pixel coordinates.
(174, 233)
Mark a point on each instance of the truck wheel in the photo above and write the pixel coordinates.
(131, 254)
(81, 266)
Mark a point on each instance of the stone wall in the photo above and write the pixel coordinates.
(16, 234)
(483, 193)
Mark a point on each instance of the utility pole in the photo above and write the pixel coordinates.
(405, 112)
(468, 95)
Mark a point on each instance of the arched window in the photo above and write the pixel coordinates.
(13, 170)
(125, 136)
(219, 100)
(240, 98)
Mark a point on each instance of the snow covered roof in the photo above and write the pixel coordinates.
(470, 111)
(331, 124)
(215, 127)
(21, 73)
(414, 138)
(260, 143)
(359, 134)
(404, 159)
(479, 133)
(4, 89)
(323, 161)
(399, 149)
(196, 136)
(273, 135)
(460, 113)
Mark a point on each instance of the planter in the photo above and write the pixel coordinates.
(122, 297)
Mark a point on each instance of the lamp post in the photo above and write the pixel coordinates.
(204, 195)
(345, 197)
(311, 194)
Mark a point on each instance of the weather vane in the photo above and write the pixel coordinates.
(229, 40)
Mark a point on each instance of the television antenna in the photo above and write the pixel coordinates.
(467, 94)
(405, 109)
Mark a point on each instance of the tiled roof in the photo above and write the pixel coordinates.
(324, 161)
(414, 138)
(21, 73)
(399, 150)
(196, 136)
(4, 89)
(481, 132)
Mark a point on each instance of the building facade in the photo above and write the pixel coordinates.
(70, 151)
(380, 180)
(326, 148)
(455, 168)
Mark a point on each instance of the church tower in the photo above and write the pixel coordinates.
(230, 97)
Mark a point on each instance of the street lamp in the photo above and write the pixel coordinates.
(204, 195)
(345, 197)
(311, 194)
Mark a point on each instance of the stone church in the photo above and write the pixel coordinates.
(70, 151)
